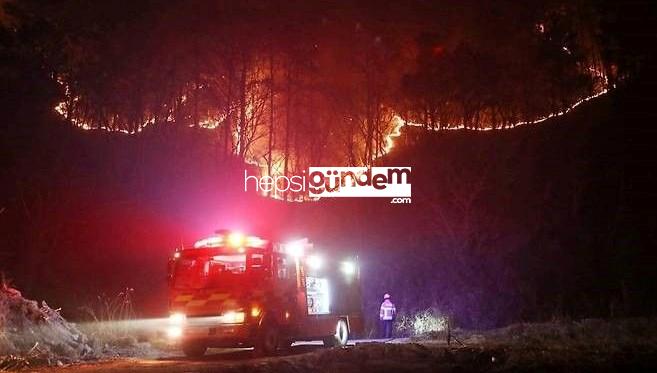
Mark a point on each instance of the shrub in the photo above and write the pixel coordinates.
(428, 322)
(110, 318)
(35, 333)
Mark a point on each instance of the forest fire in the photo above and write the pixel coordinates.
(480, 176)
(509, 126)
(286, 109)
(397, 122)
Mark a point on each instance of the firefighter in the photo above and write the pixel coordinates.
(387, 315)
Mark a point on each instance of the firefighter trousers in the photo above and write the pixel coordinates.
(386, 328)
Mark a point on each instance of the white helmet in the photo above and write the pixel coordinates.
(386, 296)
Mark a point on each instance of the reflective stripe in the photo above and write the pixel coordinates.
(218, 296)
(387, 311)
(183, 298)
(197, 303)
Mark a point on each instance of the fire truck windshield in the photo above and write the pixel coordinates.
(209, 272)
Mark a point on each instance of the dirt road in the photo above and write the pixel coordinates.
(396, 356)
(359, 356)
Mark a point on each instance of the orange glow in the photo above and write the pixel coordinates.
(235, 240)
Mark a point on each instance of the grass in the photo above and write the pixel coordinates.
(424, 323)
(108, 316)
(114, 329)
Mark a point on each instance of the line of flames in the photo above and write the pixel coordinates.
(389, 141)
(397, 120)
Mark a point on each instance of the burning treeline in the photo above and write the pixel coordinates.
(291, 85)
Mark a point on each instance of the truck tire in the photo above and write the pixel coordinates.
(194, 349)
(268, 340)
(341, 336)
(341, 333)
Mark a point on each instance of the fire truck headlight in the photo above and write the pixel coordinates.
(177, 319)
(233, 317)
(255, 311)
(314, 262)
(174, 332)
(348, 268)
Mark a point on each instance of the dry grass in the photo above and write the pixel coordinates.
(108, 318)
(423, 323)
(36, 333)
(114, 330)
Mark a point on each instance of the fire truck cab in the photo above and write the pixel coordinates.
(234, 290)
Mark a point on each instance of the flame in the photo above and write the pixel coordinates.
(62, 108)
(211, 123)
(399, 122)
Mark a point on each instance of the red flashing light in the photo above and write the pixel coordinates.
(235, 240)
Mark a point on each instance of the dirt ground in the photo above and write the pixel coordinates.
(590, 345)
(426, 356)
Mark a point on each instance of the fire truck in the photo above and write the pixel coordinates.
(236, 290)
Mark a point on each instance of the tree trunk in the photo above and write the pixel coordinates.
(288, 123)
(241, 144)
(270, 145)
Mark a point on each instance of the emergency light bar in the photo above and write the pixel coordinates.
(231, 239)
(235, 239)
(214, 241)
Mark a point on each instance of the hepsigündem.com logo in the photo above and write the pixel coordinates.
(330, 182)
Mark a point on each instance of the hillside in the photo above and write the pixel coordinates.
(513, 215)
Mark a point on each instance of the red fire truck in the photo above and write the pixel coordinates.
(234, 290)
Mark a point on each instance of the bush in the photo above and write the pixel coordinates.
(428, 322)
(35, 333)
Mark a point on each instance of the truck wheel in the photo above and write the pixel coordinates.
(341, 333)
(340, 337)
(193, 349)
(268, 341)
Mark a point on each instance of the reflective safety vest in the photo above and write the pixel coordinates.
(388, 310)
